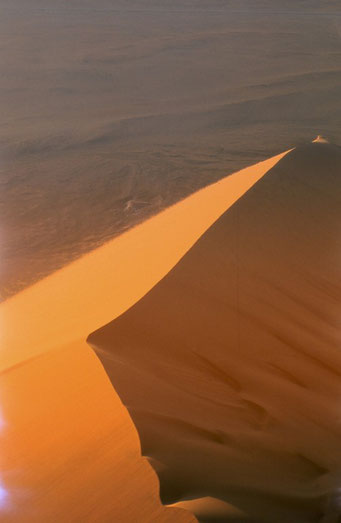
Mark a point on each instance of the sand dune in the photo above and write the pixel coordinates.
(230, 366)
(69, 451)
(91, 291)
(63, 424)
(112, 112)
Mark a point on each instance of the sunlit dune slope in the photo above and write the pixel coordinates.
(90, 292)
(69, 451)
(231, 365)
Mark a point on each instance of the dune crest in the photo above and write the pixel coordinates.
(101, 285)
(320, 139)
(230, 366)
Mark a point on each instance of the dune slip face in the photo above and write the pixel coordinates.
(101, 285)
(230, 367)
(56, 399)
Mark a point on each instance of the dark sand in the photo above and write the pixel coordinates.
(69, 450)
(230, 367)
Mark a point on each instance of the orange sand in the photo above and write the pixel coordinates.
(231, 366)
(90, 292)
(69, 451)
(69, 448)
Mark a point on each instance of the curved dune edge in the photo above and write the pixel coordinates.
(85, 295)
(211, 509)
(230, 367)
(69, 450)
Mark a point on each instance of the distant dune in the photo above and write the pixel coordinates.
(230, 366)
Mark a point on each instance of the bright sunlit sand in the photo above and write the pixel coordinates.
(68, 441)
(169, 283)
(63, 424)
(90, 292)
(230, 366)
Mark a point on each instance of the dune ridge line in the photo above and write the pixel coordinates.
(93, 290)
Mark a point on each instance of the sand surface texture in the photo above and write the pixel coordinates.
(69, 451)
(69, 448)
(91, 291)
(230, 366)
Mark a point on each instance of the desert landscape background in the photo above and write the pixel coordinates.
(112, 112)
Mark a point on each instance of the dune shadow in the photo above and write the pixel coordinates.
(230, 365)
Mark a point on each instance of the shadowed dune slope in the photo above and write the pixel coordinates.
(231, 366)
(61, 404)
(90, 292)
